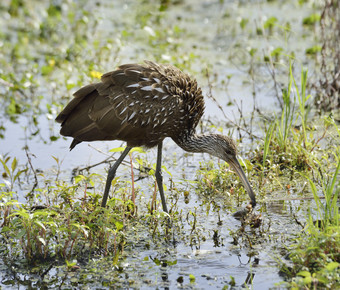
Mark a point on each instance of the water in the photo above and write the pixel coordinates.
(211, 32)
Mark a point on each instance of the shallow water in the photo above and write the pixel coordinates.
(212, 32)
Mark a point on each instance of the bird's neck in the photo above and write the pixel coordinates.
(196, 143)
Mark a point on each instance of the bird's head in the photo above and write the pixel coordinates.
(225, 148)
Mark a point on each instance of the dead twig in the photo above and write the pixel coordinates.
(33, 170)
(109, 159)
(210, 94)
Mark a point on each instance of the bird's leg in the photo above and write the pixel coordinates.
(111, 174)
(159, 177)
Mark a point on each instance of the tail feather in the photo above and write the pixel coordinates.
(74, 143)
(78, 97)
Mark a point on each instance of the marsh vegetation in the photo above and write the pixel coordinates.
(269, 71)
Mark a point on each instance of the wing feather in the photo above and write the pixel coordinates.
(140, 104)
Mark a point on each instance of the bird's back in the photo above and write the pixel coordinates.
(139, 104)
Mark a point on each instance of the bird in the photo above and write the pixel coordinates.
(142, 104)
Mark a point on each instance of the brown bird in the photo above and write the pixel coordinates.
(142, 104)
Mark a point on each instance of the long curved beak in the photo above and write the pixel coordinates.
(237, 167)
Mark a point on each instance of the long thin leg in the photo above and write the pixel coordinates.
(159, 177)
(111, 174)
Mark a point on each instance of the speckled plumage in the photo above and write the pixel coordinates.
(142, 104)
(139, 104)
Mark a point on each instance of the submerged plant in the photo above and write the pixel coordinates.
(218, 182)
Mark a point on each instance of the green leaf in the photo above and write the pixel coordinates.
(70, 264)
(119, 225)
(267, 142)
(5, 167)
(313, 50)
(311, 19)
(304, 274)
(116, 258)
(20, 212)
(70, 86)
(46, 69)
(56, 159)
(308, 280)
(40, 224)
(332, 266)
(18, 174)
(82, 228)
(79, 178)
(334, 179)
(20, 234)
(42, 241)
(166, 170)
(276, 52)
(5, 229)
(119, 149)
(14, 164)
(171, 263)
(138, 149)
(270, 22)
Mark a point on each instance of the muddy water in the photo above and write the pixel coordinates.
(211, 31)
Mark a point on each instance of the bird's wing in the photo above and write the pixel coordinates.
(133, 103)
(135, 96)
(140, 104)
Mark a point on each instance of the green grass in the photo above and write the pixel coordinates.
(67, 227)
(315, 254)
